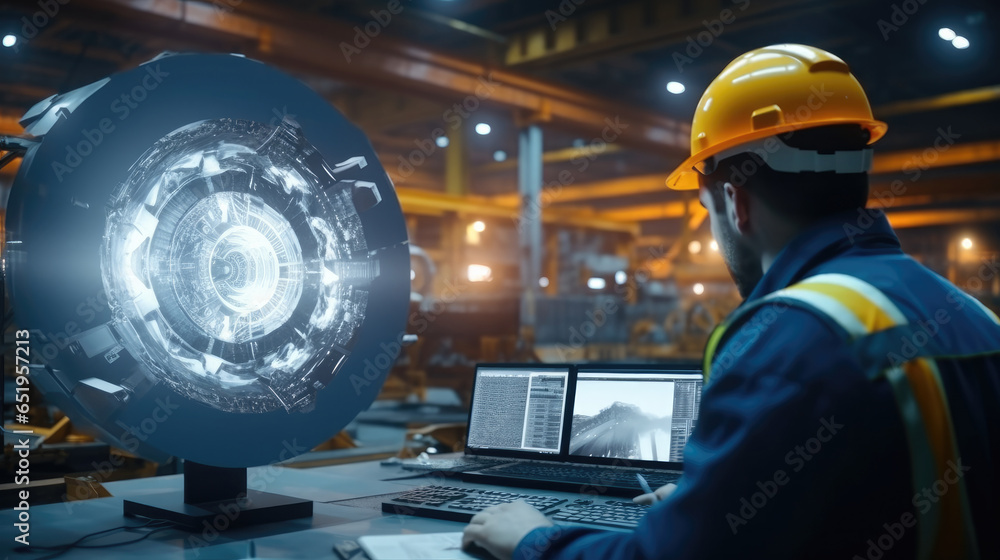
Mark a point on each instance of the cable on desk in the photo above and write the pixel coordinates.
(156, 525)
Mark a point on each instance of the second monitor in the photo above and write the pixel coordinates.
(633, 415)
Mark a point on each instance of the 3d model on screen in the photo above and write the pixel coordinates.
(235, 264)
(212, 270)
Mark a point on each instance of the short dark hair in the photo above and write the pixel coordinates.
(801, 198)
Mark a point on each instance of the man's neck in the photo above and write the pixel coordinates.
(777, 239)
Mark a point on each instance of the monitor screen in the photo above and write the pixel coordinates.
(518, 408)
(646, 416)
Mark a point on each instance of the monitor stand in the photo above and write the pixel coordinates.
(217, 498)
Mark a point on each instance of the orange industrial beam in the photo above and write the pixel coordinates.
(313, 44)
(892, 162)
(658, 211)
(879, 199)
(555, 156)
(675, 209)
(942, 154)
(417, 201)
(925, 218)
(966, 97)
(637, 184)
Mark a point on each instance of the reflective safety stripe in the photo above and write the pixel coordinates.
(711, 347)
(944, 521)
(922, 460)
(826, 304)
(853, 287)
(957, 534)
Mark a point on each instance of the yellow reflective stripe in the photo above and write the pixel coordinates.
(922, 460)
(957, 534)
(928, 393)
(711, 347)
(825, 304)
(873, 317)
(870, 293)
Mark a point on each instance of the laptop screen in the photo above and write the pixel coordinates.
(639, 415)
(518, 408)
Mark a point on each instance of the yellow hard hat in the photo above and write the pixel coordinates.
(770, 91)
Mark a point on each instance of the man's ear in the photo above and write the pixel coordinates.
(737, 208)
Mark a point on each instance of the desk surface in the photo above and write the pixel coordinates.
(332, 522)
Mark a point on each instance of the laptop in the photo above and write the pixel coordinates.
(587, 428)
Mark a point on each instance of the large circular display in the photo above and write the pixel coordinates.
(209, 271)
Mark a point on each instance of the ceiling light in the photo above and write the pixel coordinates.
(621, 277)
(698, 288)
(596, 283)
(694, 247)
(960, 42)
(483, 129)
(9, 40)
(479, 226)
(713, 245)
(675, 88)
(441, 141)
(966, 243)
(479, 273)
(946, 34)
(543, 282)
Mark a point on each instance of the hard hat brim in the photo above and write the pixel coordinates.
(685, 177)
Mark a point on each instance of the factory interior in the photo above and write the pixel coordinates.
(527, 143)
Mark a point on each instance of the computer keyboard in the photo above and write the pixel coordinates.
(612, 514)
(584, 474)
(460, 504)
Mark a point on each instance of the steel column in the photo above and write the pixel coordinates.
(529, 170)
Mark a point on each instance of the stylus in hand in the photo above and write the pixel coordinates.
(643, 483)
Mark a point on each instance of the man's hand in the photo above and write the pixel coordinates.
(658, 495)
(499, 529)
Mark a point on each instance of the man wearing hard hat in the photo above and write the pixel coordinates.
(852, 403)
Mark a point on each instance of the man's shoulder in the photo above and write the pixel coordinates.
(778, 338)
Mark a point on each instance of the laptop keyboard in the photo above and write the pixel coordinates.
(577, 474)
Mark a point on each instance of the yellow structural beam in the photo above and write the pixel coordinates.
(905, 161)
(416, 201)
(939, 217)
(626, 186)
(966, 97)
(942, 154)
(555, 156)
(657, 211)
(675, 209)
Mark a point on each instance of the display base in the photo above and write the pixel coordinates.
(255, 509)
